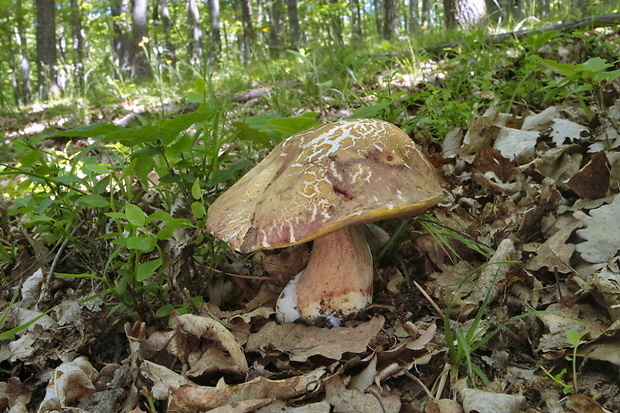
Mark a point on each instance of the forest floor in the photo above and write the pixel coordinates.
(505, 298)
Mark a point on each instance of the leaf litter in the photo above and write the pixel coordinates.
(537, 195)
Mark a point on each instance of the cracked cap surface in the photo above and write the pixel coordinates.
(320, 180)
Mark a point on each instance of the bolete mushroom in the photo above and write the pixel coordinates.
(321, 185)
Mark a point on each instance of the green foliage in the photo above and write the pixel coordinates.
(575, 339)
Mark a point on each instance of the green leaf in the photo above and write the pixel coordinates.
(96, 201)
(165, 310)
(135, 215)
(223, 175)
(98, 169)
(146, 269)
(371, 111)
(83, 275)
(198, 210)
(141, 243)
(29, 158)
(196, 190)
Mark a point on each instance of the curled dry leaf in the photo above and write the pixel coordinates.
(605, 287)
(185, 396)
(301, 342)
(210, 328)
(70, 382)
(486, 402)
(600, 243)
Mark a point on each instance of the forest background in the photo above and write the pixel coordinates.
(121, 121)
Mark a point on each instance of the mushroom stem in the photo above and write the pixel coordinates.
(338, 278)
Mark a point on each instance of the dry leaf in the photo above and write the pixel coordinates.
(353, 400)
(486, 402)
(210, 328)
(555, 253)
(592, 181)
(564, 129)
(516, 144)
(301, 342)
(602, 242)
(185, 396)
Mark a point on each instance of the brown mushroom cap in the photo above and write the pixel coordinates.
(320, 180)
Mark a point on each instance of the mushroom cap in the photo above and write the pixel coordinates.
(320, 180)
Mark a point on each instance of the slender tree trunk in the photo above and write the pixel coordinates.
(248, 31)
(141, 67)
(121, 42)
(356, 20)
(195, 46)
(336, 22)
(164, 16)
(449, 13)
(78, 44)
(21, 77)
(426, 13)
(216, 37)
(46, 49)
(293, 22)
(414, 17)
(389, 20)
(378, 6)
(275, 27)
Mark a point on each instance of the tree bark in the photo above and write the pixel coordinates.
(141, 67)
(216, 36)
(275, 26)
(248, 31)
(356, 20)
(163, 12)
(195, 46)
(426, 13)
(46, 49)
(78, 44)
(293, 22)
(389, 20)
(121, 42)
(21, 74)
(413, 21)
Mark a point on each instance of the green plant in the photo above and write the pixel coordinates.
(462, 343)
(577, 80)
(559, 379)
(575, 339)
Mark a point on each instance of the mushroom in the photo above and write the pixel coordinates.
(323, 184)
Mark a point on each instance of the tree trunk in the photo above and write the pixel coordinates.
(470, 13)
(378, 6)
(413, 25)
(216, 37)
(169, 53)
(275, 26)
(293, 22)
(121, 42)
(46, 49)
(389, 20)
(426, 13)
(356, 20)
(195, 46)
(78, 44)
(248, 31)
(21, 75)
(449, 13)
(140, 68)
(336, 22)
